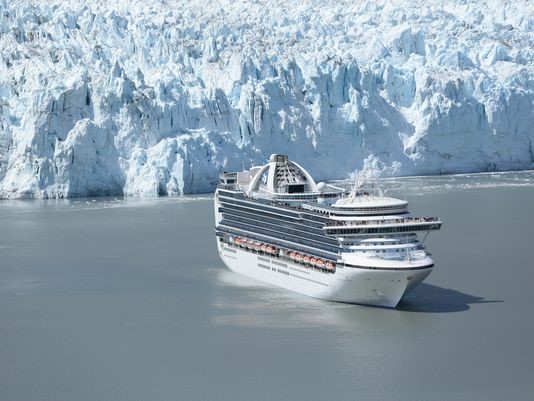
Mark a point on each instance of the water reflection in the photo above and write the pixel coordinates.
(263, 305)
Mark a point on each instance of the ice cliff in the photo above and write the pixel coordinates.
(156, 98)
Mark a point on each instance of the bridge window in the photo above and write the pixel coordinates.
(295, 188)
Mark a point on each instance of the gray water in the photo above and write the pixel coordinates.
(112, 299)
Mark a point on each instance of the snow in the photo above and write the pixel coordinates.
(156, 98)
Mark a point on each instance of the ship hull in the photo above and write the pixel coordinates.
(347, 284)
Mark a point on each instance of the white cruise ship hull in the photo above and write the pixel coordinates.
(347, 284)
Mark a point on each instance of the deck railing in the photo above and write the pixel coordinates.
(409, 220)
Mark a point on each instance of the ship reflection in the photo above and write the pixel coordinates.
(262, 305)
(244, 302)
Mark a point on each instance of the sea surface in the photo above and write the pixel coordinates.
(127, 299)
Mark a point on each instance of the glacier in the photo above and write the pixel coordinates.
(124, 98)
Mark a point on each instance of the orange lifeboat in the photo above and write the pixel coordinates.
(298, 257)
(320, 263)
(306, 259)
(264, 247)
(256, 245)
(330, 265)
(237, 241)
(313, 261)
(271, 249)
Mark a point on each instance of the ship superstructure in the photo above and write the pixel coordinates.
(274, 223)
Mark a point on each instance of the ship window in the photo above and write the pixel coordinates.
(295, 188)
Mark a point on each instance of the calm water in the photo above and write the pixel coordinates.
(128, 300)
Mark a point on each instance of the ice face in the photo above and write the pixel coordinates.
(157, 98)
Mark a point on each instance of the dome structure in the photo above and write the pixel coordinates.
(282, 176)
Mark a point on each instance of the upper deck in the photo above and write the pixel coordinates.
(290, 190)
(285, 183)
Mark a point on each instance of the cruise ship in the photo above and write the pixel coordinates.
(274, 223)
